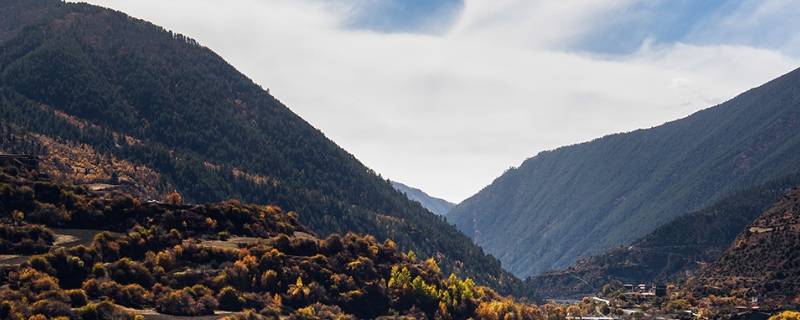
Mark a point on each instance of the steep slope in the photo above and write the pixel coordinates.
(155, 111)
(675, 249)
(580, 200)
(435, 205)
(764, 260)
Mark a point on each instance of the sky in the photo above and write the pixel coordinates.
(446, 95)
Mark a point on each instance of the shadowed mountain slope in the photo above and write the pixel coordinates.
(680, 247)
(108, 99)
(583, 199)
(435, 205)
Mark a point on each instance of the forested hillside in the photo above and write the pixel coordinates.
(249, 261)
(581, 200)
(114, 101)
(435, 205)
(676, 249)
(764, 260)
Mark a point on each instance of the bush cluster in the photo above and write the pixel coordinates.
(186, 260)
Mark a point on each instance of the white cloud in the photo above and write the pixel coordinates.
(449, 113)
(761, 23)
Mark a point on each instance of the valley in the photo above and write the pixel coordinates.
(142, 176)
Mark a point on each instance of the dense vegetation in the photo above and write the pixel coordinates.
(764, 260)
(256, 261)
(581, 200)
(435, 205)
(107, 99)
(673, 250)
(25, 239)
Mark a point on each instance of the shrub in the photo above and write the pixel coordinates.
(98, 288)
(166, 259)
(133, 295)
(103, 311)
(269, 280)
(230, 300)
(77, 298)
(127, 271)
(320, 311)
(25, 239)
(50, 215)
(51, 308)
(332, 245)
(187, 302)
(303, 247)
(362, 267)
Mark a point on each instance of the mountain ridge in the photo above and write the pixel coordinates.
(554, 208)
(155, 110)
(436, 205)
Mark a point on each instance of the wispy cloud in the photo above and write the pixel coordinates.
(449, 111)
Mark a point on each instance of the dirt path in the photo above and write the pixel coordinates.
(151, 314)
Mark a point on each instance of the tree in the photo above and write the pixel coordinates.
(174, 198)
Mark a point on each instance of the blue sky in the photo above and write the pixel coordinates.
(763, 24)
(421, 16)
(620, 31)
(446, 95)
(660, 21)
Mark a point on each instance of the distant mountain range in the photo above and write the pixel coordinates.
(109, 100)
(582, 200)
(435, 205)
(675, 250)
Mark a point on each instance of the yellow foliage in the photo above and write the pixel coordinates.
(786, 315)
(411, 255)
(432, 265)
(400, 278)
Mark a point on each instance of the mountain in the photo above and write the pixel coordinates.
(435, 205)
(764, 260)
(679, 248)
(110, 256)
(580, 200)
(116, 102)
